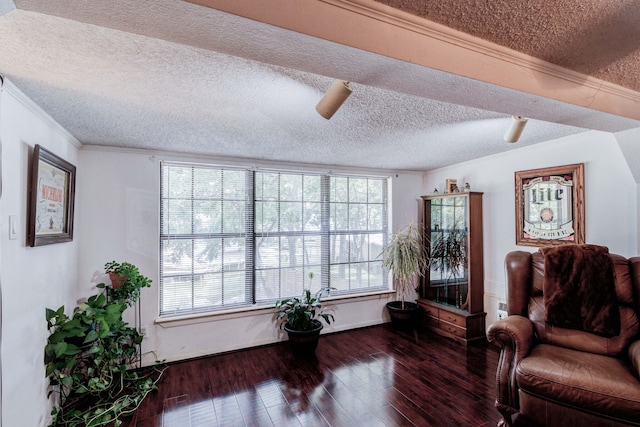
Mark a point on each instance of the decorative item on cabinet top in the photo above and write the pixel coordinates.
(451, 186)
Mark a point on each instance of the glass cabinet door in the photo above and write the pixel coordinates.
(448, 276)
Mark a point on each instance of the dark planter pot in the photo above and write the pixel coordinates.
(403, 318)
(304, 343)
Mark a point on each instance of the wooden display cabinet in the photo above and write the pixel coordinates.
(451, 295)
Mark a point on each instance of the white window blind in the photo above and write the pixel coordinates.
(232, 237)
(358, 230)
(289, 235)
(205, 240)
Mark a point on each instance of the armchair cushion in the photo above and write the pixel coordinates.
(581, 340)
(592, 382)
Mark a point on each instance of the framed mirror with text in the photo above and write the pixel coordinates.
(550, 206)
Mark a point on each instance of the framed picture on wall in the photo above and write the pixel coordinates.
(51, 198)
(550, 206)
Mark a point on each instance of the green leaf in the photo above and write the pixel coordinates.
(66, 380)
(51, 368)
(57, 336)
(49, 314)
(71, 350)
(60, 348)
(114, 309)
(70, 363)
(95, 349)
(101, 300)
(91, 336)
(104, 328)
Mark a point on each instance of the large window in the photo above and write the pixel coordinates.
(235, 237)
(357, 232)
(205, 218)
(288, 233)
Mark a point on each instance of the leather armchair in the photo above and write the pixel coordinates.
(549, 375)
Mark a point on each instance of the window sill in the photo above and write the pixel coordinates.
(190, 319)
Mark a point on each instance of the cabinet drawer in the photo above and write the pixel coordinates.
(456, 319)
(453, 329)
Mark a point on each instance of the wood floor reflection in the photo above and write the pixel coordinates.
(373, 376)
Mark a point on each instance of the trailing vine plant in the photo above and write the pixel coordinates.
(89, 357)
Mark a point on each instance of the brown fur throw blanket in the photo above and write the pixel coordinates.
(579, 289)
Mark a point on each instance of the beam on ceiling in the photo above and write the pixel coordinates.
(380, 29)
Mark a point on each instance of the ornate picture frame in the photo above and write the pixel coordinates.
(51, 199)
(550, 206)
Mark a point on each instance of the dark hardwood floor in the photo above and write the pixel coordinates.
(374, 376)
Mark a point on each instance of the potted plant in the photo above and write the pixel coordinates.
(405, 256)
(89, 356)
(301, 318)
(126, 281)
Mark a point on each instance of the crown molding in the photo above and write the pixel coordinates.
(380, 29)
(7, 86)
(434, 30)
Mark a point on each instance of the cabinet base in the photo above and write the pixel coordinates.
(453, 323)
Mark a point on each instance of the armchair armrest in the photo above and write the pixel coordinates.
(634, 357)
(514, 336)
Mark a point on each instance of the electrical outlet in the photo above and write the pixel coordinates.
(502, 310)
(143, 331)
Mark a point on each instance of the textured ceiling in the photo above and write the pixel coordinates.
(171, 75)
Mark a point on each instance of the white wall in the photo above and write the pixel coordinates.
(629, 142)
(118, 219)
(610, 198)
(32, 279)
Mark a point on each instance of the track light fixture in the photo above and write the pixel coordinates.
(515, 128)
(334, 98)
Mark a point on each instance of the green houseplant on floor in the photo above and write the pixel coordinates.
(301, 317)
(406, 257)
(89, 356)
